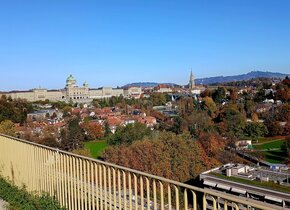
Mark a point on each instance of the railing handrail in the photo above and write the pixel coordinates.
(227, 196)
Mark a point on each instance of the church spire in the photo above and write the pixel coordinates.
(191, 83)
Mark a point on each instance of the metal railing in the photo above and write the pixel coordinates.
(79, 182)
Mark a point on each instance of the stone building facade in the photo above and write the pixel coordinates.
(71, 92)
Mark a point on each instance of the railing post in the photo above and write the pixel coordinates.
(204, 202)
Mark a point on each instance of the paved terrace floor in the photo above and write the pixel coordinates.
(2, 205)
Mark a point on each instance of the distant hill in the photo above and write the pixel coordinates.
(147, 84)
(218, 79)
(250, 75)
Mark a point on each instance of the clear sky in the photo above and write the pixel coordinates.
(110, 43)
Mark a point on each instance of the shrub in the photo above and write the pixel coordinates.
(19, 198)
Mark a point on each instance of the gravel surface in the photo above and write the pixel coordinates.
(2, 205)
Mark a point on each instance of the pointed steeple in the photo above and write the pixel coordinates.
(191, 83)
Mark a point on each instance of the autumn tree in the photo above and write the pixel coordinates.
(283, 91)
(286, 131)
(206, 93)
(233, 95)
(94, 130)
(274, 128)
(48, 140)
(212, 143)
(283, 112)
(66, 110)
(249, 106)
(286, 81)
(209, 104)
(7, 127)
(176, 157)
(255, 117)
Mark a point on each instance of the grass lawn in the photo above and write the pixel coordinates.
(270, 145)
(274, 156)
(277, 156)
(96, 147)
(268, 185)
(269, 139)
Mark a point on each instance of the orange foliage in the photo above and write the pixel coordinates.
(211, 143)
(177, 157)
(94, 130)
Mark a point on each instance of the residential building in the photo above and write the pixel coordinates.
(163, 88)
(133, 92)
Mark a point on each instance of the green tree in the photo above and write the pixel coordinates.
(179, 126)
(260, 95)
(287, 146)
(158, 99)
(107, 130)
(219, 94)
(73, 136)
(129, 133)
(66, 110)
(14, 110)
(255, 130)
(249, 106)
(232, 121)
(199, 121)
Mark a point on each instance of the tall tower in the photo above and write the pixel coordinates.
(191, 83)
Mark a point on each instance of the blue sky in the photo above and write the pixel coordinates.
(110, 43)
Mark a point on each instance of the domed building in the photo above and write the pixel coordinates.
(71, 81)
(71, 92)
(75, 93)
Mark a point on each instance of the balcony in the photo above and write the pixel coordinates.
(79, 182)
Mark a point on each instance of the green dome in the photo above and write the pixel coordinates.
(70, 78)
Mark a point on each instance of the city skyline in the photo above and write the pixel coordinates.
(113, 43)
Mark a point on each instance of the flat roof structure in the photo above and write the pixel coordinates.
(251, 182)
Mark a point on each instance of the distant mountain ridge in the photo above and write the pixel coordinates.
(250, 75)
(147, 84)
(217, 79)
